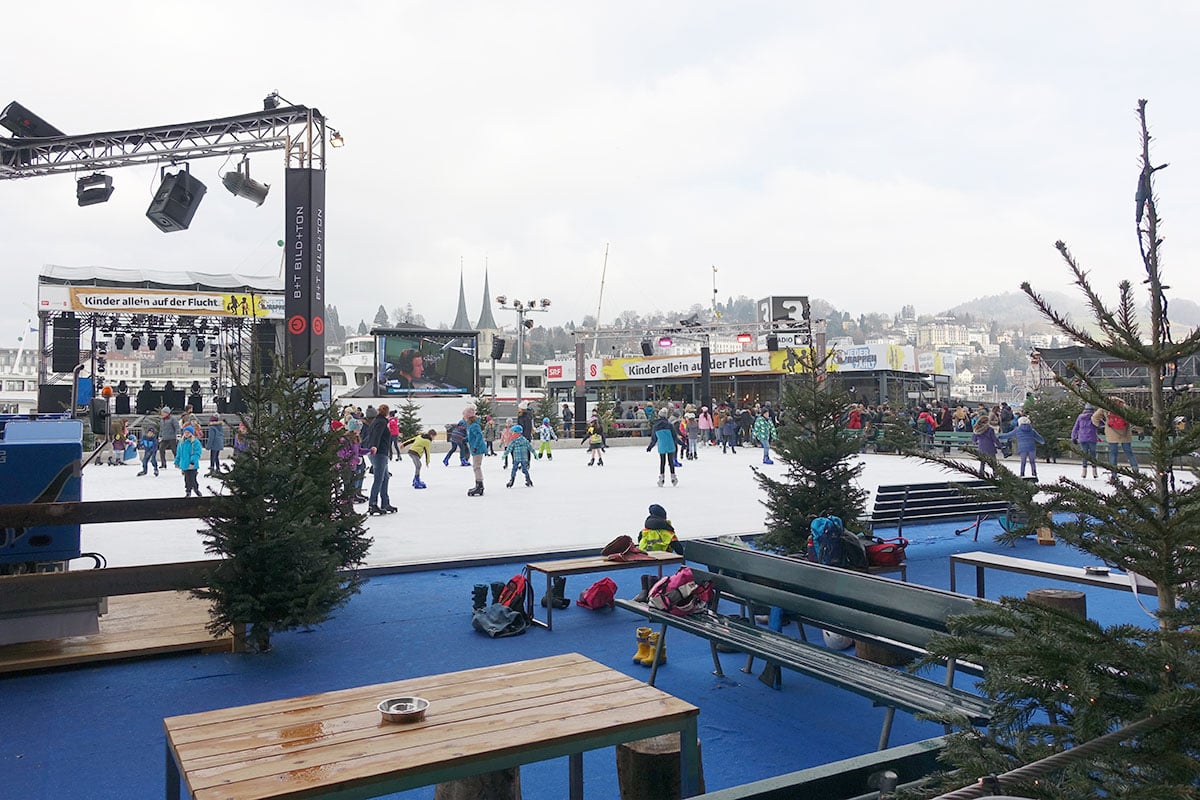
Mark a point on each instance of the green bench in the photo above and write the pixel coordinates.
(863, 775)
(943, 501)
(894, 615)
(953, 440)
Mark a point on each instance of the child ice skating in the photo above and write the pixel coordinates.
(594, 438)
(418, 448)
(546, 435)
(1027, 441)
(518, 449)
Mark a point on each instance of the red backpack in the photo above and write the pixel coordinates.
(601, 594)
(517, 594)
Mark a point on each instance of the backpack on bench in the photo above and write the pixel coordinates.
(679, 594)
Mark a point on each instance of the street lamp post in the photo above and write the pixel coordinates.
(522, 308)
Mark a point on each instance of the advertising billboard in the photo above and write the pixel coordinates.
(426, 363)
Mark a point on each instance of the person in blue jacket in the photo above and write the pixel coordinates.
(214, 442)
(187, 459)
(663, 435)
(1027, 439)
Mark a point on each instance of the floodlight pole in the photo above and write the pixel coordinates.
(522, 309)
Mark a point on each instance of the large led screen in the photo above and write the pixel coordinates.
(426, 364)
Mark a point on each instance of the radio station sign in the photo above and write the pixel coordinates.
(117, 300)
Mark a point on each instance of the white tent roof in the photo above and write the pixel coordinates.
(157, 279)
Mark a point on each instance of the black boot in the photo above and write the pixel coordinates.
(477, 491)
(558, 588)
(497, 588)
(479, 596)
(644, 595)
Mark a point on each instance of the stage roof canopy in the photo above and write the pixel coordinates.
(54, 274)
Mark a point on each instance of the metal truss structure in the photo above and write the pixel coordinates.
(297, 129)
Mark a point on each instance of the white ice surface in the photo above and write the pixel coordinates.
(570, 507)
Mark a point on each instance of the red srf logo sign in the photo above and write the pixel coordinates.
(555, 371)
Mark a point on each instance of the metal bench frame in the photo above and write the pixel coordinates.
(899, 615)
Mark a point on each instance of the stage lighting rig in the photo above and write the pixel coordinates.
(152, 341)
(168, 342)
(135, 341)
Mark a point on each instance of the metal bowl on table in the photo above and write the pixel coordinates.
(404, 709)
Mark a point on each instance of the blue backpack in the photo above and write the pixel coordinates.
(834, 546)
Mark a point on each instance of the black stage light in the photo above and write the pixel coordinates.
(185, 342)
(242, 185)
(93, 189)
(200, 344)
(152, 341)
(24, 123)
(119, 341)
(168, 342)
(135, 341)
(647, 348)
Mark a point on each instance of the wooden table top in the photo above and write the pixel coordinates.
(568, 566)
(1028, 566)
(336, 741)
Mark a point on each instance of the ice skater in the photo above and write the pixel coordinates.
(519, 450)
(664, 437)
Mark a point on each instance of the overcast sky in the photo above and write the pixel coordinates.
(871, 154)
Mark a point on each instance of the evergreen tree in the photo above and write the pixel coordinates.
(285, 524)
(362, 328)
(483, 407)
(604, 409)
(381, 317)
(546, 406)
(820, 459)
(1061, 680)
(408, 415)
(1052, 412)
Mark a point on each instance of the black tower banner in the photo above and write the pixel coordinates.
(304, 268)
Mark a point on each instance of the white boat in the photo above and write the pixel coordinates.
(18, 380)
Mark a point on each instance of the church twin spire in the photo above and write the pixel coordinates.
(486, 321)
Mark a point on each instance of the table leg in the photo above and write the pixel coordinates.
(979, 581)
(689, 759)
(575, 781)
(952, 576)
(549, 605)
(172, 776)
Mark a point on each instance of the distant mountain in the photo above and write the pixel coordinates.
(1015, 308)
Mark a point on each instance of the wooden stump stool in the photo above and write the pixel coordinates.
(1070, 600)
(503, 784)
(648, 769)
(881, 653)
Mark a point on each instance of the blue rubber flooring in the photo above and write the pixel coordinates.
(96, 731)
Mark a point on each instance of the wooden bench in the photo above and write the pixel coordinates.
(889, 613)
(586, 564)
(938, 502)
(1041, 569)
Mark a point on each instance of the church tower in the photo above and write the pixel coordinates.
(489, 331)
(461, 321)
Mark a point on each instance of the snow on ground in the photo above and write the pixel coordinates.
(570, 507)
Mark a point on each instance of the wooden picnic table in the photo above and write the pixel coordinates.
(480, 720)
(1041, 569)
(586, 564)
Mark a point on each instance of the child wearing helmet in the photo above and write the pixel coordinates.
(519, 449)
(546, 435)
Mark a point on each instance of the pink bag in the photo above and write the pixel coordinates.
(679, 594)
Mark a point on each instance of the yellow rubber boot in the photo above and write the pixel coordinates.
(662, 657)
(644, 653)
